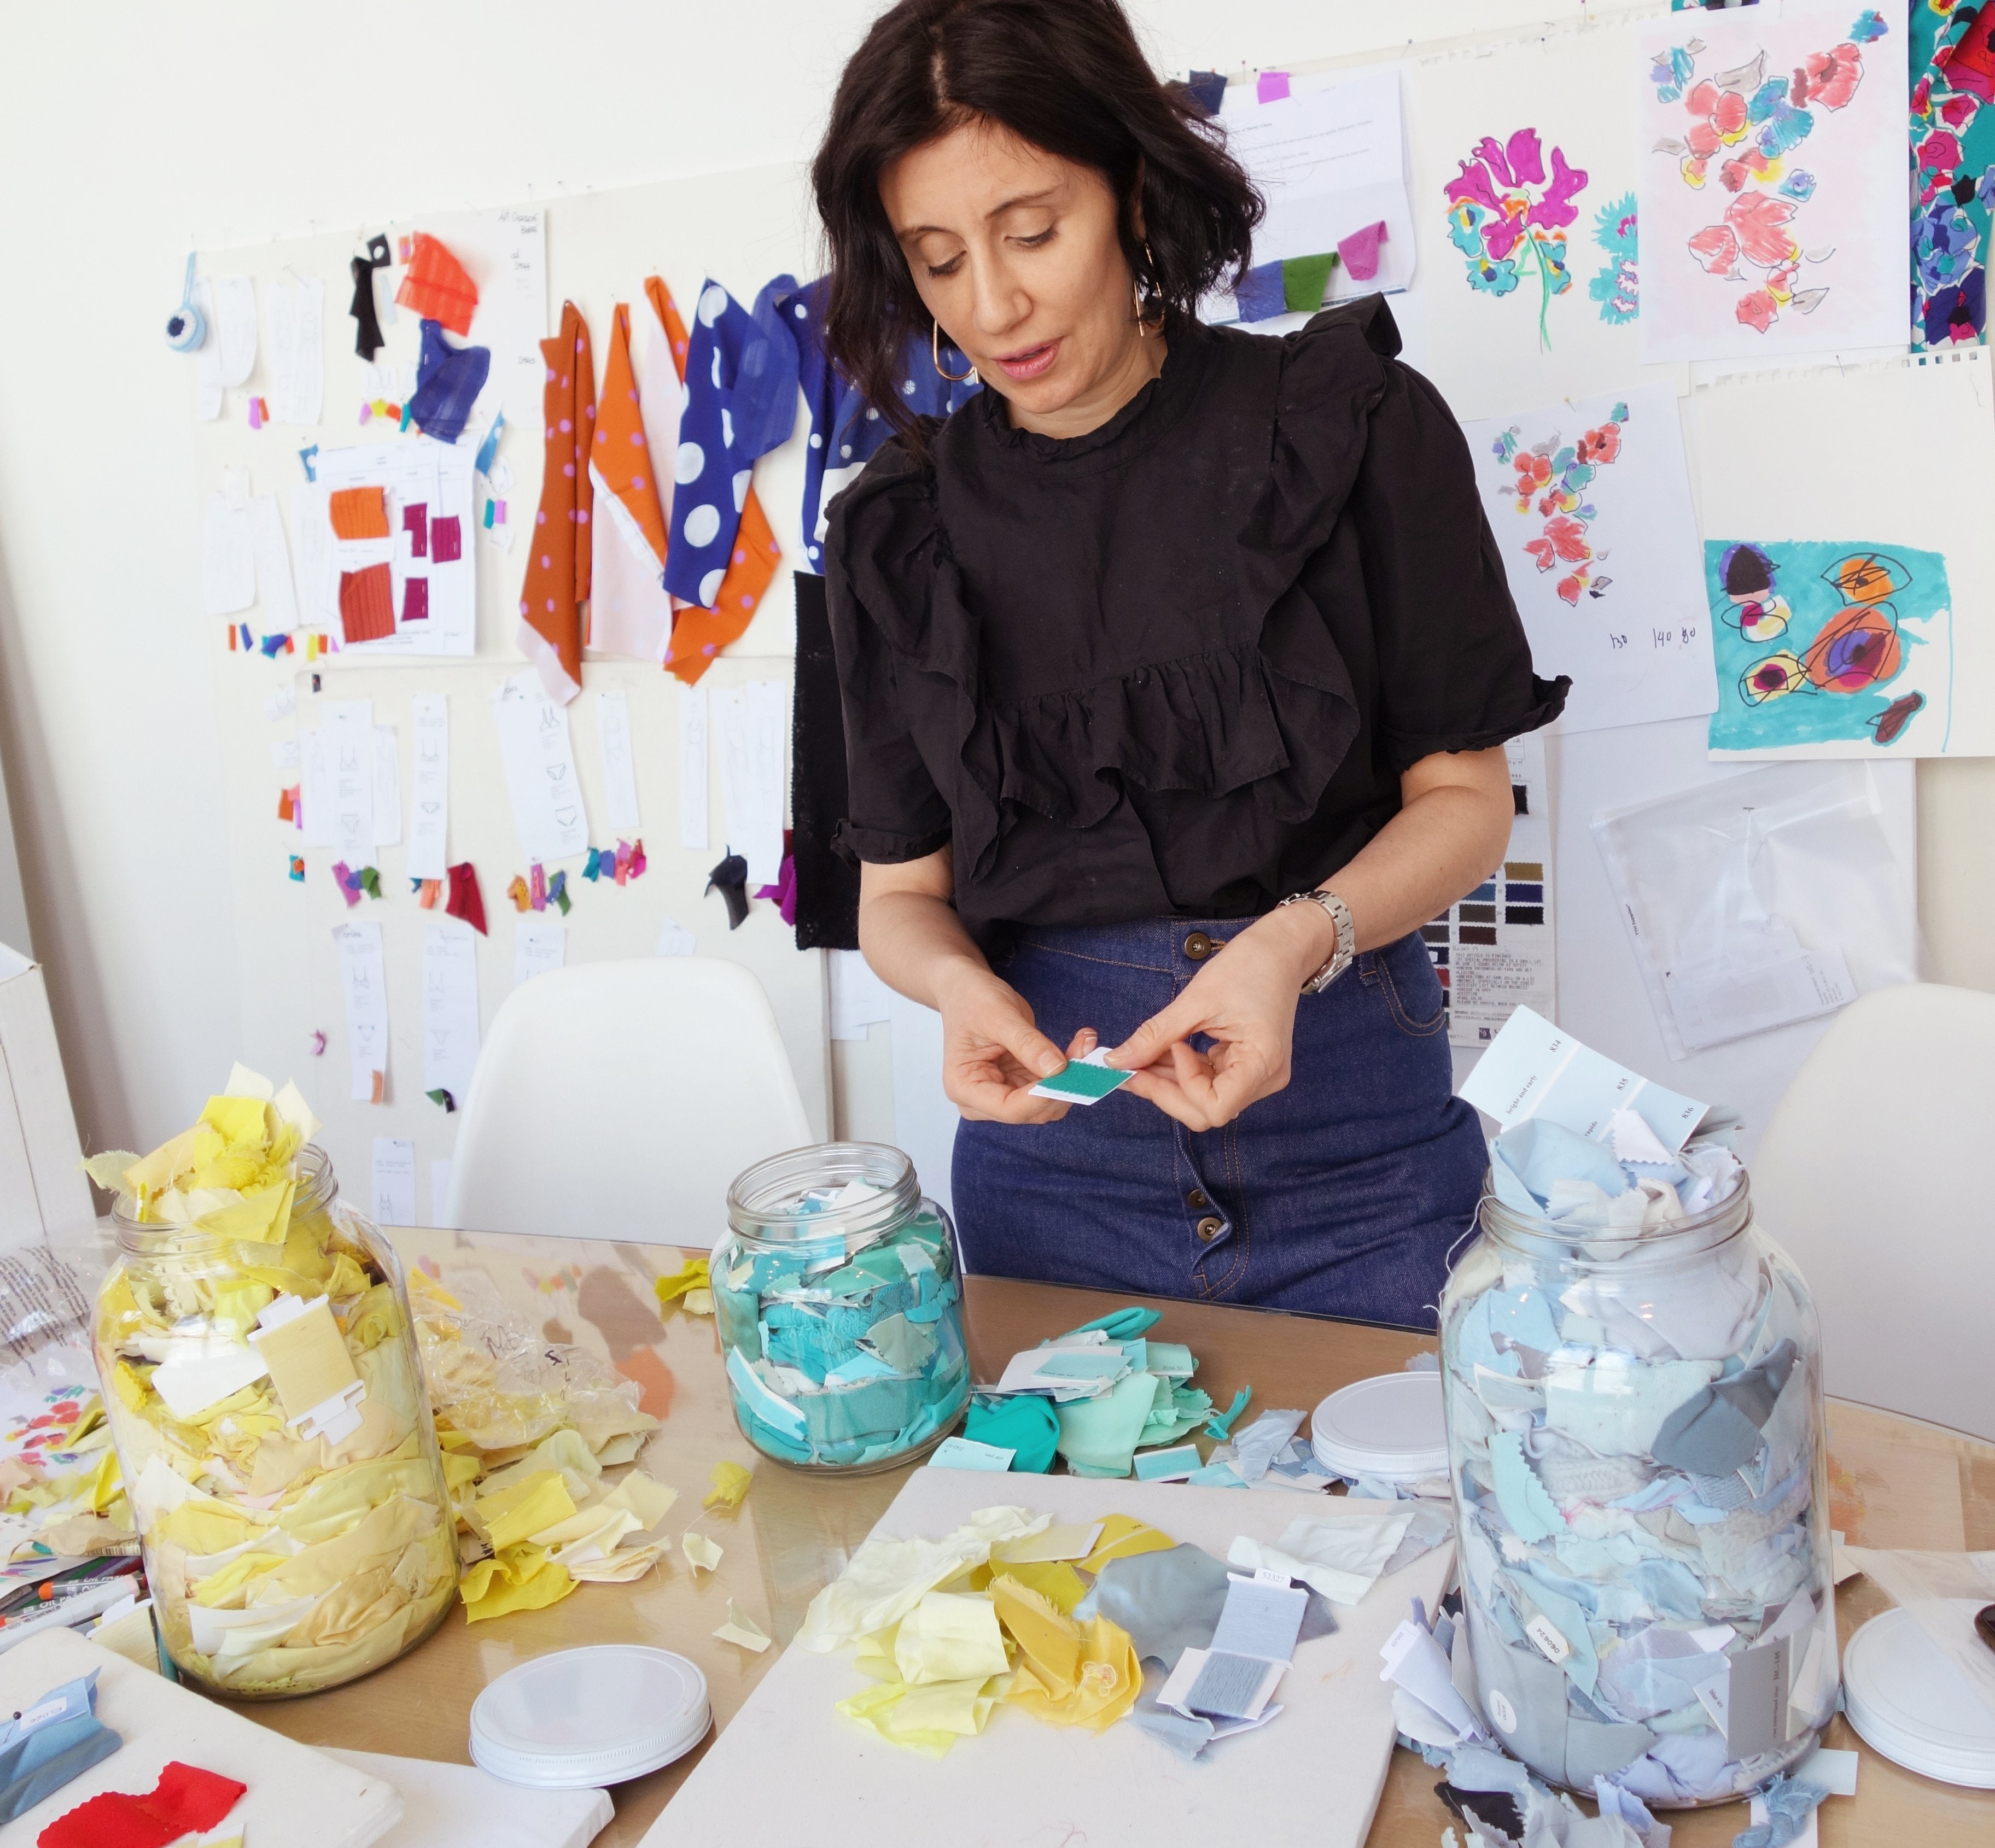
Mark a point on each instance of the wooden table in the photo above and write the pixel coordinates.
(1894, 1483)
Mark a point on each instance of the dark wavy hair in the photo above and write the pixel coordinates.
(1067, 76)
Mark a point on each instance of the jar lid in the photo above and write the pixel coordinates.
(1907, 1699)
(1392, 1427)
(583, 1717)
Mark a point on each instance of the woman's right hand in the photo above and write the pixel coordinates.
(992, 1054)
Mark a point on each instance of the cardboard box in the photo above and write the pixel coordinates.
(44, 1193)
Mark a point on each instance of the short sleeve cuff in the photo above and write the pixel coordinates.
(1548, 701)
(874, 846)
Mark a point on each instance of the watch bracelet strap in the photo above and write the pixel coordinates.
(1345, 954)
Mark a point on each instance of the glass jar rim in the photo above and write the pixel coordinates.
(1536, 1236)
(311, 1166)
(756, 1216)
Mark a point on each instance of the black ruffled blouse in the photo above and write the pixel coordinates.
(1174, 667)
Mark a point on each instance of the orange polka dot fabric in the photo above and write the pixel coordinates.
(557, 562)
(629, 611)
(699, 635)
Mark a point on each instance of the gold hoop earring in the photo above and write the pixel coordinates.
(935, 354)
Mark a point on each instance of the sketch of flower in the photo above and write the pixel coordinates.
(1505, 210)
(1745, 123)
(1615, 286)
(1551, 478)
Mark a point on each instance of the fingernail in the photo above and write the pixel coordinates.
(1049, 1062)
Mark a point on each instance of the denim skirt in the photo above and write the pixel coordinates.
(1341, 1194)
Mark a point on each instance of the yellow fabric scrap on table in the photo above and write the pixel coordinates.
(460, 1471)
(875, 1657)
(1109, 1679)
(1054, 1580)
(929, 1720)
(692, 1275)
(622, 1566)
(700, 1552)
(1123, 1537)
(566, 1454)
(647, 1498)
(1049, 1640)
(730, 1482)
(949, 1636)
(517, 1577)
(745, 1631)
(516, 1513)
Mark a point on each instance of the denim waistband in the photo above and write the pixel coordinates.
(1156, 944)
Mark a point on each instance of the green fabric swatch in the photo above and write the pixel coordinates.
(1305, 282)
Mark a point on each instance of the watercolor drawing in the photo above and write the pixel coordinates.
(1830, 642)
(1952, 125)
(1508, 214)
(1552, 478)
(1616, 287)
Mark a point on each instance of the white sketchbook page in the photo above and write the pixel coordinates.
(539, 756)
(414, 472)
(429, 806)
(619, 774)
(227, 558)
(749, 723)
(274, 588)
(450, 1007)
(364, 988)
(348, 729)
(394, 1181)
(1917, 442)
(692, 768)
(1611, 589)
(1330, 159)
(539, 944)
(235, 327)
(296, 309)
(1833, 212)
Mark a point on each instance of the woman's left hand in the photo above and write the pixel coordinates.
(1243, 1000)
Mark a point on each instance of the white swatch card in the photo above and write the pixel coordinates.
(1534, 1069)
(620, 769)
(363, 986)
(539, 769)
(394, 1181)
(450, 1008)
(429, 808)
(347, 726)
(692, 768)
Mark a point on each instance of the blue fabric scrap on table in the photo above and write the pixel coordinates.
(51, 1742)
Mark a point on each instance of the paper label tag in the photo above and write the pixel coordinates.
(1501, 1711)
(1267, 1575)
(1550, 1640)
(40, 1716)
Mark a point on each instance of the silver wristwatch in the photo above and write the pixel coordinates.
(1347, 937)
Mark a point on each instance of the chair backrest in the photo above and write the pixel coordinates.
(619, 1100)
(1871, 1174)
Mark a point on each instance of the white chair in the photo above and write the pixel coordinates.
(619, 1100)
(1873, 1173)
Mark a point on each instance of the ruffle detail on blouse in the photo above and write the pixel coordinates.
(1273, 709)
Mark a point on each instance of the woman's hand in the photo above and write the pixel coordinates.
(1243, 1000)
(992, 1054)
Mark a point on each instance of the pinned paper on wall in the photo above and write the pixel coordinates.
(450, 1007)
(692, 768)
(1772, 183)
(620, 770)
(504, 253)
(297, 310)
(208, 355)
(1508, 211)
(311, 552)
(363, 988)
(539, 945)
(1494, 951)
(274, 589)
(859, 1000)
(394, 1181)
(1329, 158)
(228, 557)
(751, 723)
(233, 327)
(429, 807)
(541, 778)
(1590, 504)
(372, 490)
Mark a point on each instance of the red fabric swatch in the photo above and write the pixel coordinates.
(185, 1798)
(446, 539)
(465, 900)
(415, 599)
(366, 604)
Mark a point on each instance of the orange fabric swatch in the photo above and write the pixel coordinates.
(629, 613)
(436, 286)
(558, 559)
(360, 512)
(698, 635)
(621, 456)
(366, 604)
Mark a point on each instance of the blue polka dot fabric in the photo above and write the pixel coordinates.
(846, 431)
(740, 402)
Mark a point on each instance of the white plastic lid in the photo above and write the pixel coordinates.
(1391, 1427)
(1908, 1701)
(583, 1717)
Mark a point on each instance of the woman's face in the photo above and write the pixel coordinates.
(1015, 252)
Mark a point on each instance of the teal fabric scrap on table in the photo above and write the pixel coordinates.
(1120, 1325)
(1028, 1428)
(1098, 1437)
(1221, 1423)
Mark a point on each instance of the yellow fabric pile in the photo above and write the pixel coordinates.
(262, 1391)
(64, 1496)
(950, 1628)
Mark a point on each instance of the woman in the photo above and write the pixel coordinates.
(1176, 667)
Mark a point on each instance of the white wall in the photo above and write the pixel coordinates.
(128, 131)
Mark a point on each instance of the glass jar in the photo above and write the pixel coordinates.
(838, 1293)
(1635, 1437)
(268, 1407)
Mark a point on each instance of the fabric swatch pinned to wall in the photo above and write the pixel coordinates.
(629, 611)
(359, 513)
(827, 889)
(557, 564)
(367, 340)
(448, 380)
(437, 286)
(366, 604)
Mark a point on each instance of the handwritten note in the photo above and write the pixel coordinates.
(539, 944)
(619, 769)
(363, 986)
(394, 1181)
(450, 1007)
(429, 808)
(692, 768)
(540, 776)
(296, 312)
(749, 722)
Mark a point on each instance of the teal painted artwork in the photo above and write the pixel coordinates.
(1822, 642)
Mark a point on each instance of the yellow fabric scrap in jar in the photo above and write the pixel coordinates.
(1109, 1679)
(202, 1524)
(730, 1483)
(377, 1540)
(334, 1501)
(517, 1577)
(516, 1513)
